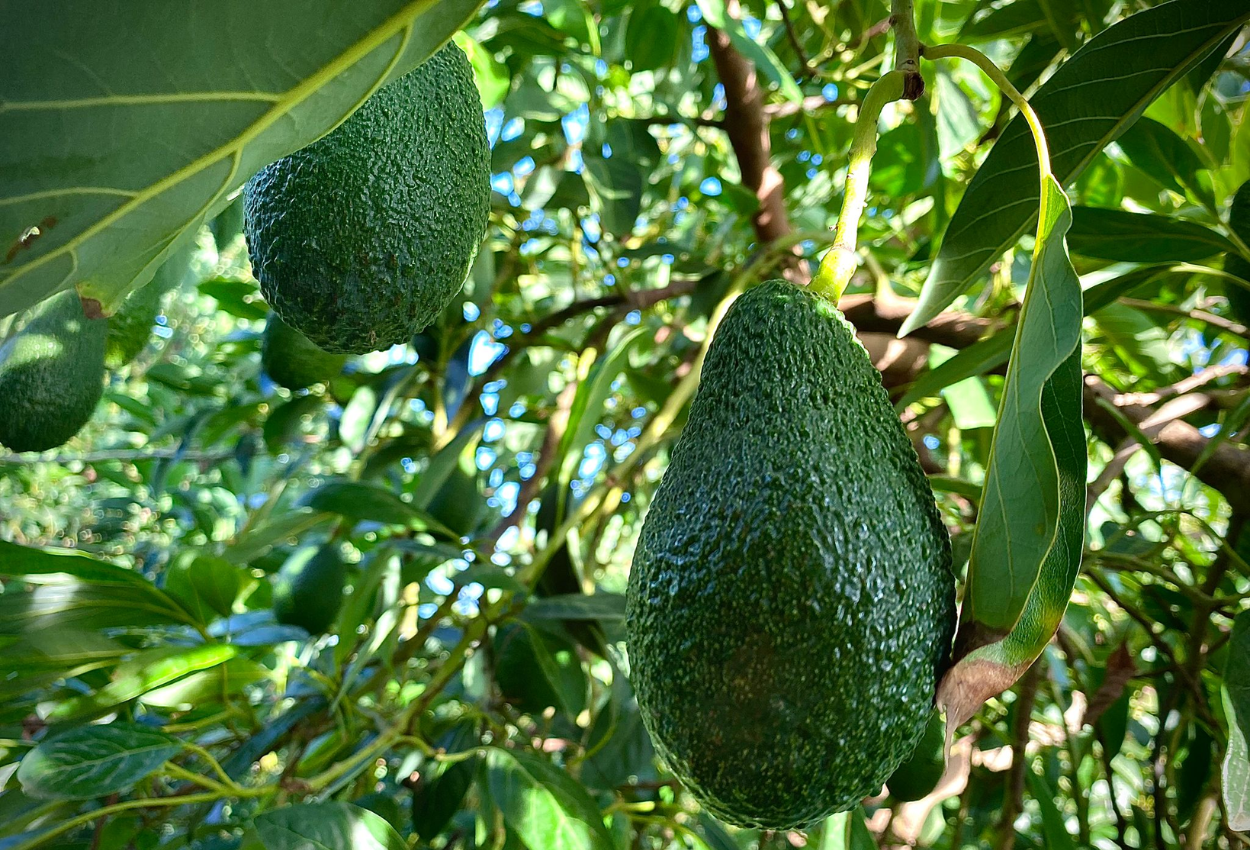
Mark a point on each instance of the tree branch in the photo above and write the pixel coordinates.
(746, 122)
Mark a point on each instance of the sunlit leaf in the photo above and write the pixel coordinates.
(94, 761)
(1090, 100)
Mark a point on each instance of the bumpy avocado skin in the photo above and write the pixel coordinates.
(291, 361)
(919, 773)
(51, 375)
(308, 590)
(362, 238)
(791, 602)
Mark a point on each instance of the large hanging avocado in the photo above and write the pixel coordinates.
(791, 603)
(362, 238)
(51, 375)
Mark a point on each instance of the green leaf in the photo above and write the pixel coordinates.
(94, 761)
(326, 826)
(1236, 771)
(204, 584)
(1053, 828)
(577, 606)
(651, 37)
(239, 298)
(968, 400)
(148, 149)
(1161, 153)
(543, 804)
(1088, 102)
(1141, 237)
(1237, 672)
(760, 54)
(1027, 545)
(72, 589)
(289, 525)
(360, 501)
(145, 672)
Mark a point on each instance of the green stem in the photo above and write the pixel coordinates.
(996, 75)
(106, 811)
(907, 48)
(840, 261)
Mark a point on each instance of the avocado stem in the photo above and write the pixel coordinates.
(838, 265)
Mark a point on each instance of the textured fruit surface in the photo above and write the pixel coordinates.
(791, 603)
(362, 238)
(51, 375)
(920, 772)
(308, 590)
(290, 360)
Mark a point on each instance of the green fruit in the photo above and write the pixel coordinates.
(791, 603)
(920, 772)
(51, 375)
(291, 361)
(130, 327)
(308, 590)
(362, 238)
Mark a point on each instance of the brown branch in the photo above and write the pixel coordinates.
(1026, 696)
(747, 125)
(1227, 470)
(808, 104)
(1181, 387)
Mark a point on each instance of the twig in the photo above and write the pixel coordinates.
(1026, 696)
(794, 37)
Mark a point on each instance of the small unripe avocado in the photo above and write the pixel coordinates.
(291, 361)
(51, 375)
(308, 590)
(791, 603)
(362, 238)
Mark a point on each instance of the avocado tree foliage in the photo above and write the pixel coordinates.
(1057, 221)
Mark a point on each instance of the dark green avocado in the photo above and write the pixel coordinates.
(308, 590)
(291, 361)
(791, 603)
(51, 375)
(362, 238)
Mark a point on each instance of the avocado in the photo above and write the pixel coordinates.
(291, 361)
(51, 375)
(308, 590)
(920, 772)
(130, 327)
(362, 238)
(791, 603)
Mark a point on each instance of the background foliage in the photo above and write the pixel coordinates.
(488, 481)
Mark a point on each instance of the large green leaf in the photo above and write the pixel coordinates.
(543, 804)
(1158, 151)
(73, 589)
(326, 826)
(125, 127)
(1026, 549)
(1141, 237)
(1088, 102)
(94, 761)
(145, 672)
(1236, 771)
(758, 52)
